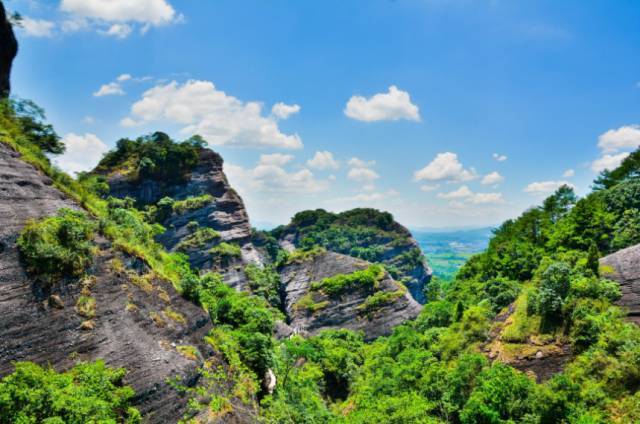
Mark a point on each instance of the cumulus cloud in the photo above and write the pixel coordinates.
(361, 171)
(465, 195)
(546, 187)
(83, 152)
(117, 18)
(277, 159)
(569, 173)
(110, 89)
(612, 142)
(323, 160)
(445, 167)
(626, 137)
(393, 105)
(271, 177)
(154, 12)
(37, 27)
(364, 198)
(492, 178)
(203, 109)
(429, 187)
(499, 157)
(608, 162)
(283, 111)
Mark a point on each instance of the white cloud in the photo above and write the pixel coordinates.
(323, 160)
(277, 159)
(202, 109)
(361, 171)
(83, 152)
(429, 187)
(154, 12)
(460, 193)
(364, 198)
(626, 137)
(608, 162)
(273, 178)
(124, 77)
(37, 27)
(283, 111)
(391, 106)
(546, 187)
(499, 157)
(362, 175)
(465, 195)
(445, 167)
(118, 30)
(110, 89)
(492, 178)
(89, 120)
(569, 173)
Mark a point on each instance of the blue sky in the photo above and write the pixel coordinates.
(411, 104)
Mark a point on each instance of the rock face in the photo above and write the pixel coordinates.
(225, 214)
(139, 320)
(393, 244)
(624, 267)
(8, 51)
(347, 310)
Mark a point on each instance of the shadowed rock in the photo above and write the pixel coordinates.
(624, 267)
(8, 51)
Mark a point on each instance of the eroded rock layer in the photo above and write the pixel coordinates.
(624, 267)
(311, 311)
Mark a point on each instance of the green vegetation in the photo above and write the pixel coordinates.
(264, 282)
(363, 233)
(192, 203)
(58, 246)
(379, 300)
(307, 303)
(89, 392)
(226, 251)
(367, 279)
(198, 239)
(155, 156)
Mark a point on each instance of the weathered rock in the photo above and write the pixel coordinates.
(132, 327)
(397, 249)
(226, 215)
(343, 311)
(8, 51)
(624, 267)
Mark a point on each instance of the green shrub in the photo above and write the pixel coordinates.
(379, 300)
(198, 239)
(264, 282)
(89, 392)
(367, 279)
(226, 250)
(58, 246)
(192, 203)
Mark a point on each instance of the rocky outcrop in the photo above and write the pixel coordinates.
(624, 267)
(225, 214)
(311, 311)
(137, 321)
(381, 240)
(8, 51)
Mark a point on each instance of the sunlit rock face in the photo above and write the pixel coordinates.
(623, 266)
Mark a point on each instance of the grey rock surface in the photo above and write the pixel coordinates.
(623, 266)
(342, 311)
(131, 327)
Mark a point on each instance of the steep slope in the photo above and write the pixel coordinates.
(363, 233)
(624, 267)
(8, 51)
(374, 306)
(132, 320)
(202, 214)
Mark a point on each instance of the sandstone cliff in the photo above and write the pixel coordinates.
(365, 233)
(375, 311)
(137, 321)
(224, 213)
(8, 51)
(624, 267)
